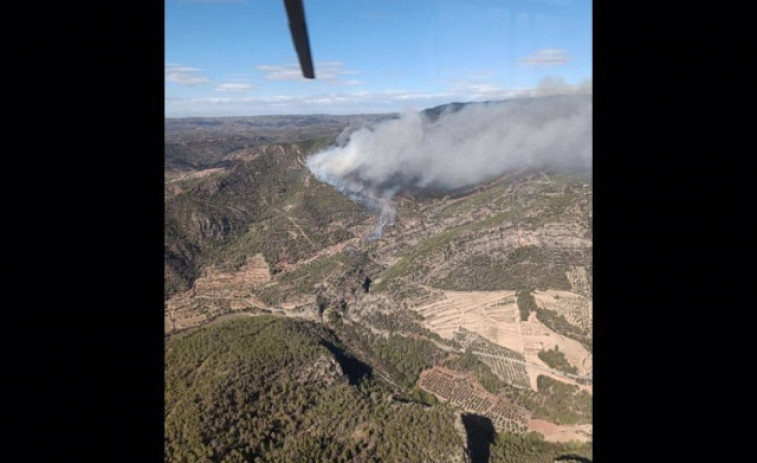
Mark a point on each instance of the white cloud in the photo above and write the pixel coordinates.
(277, 72)
(555, 2)
(481, 91)
(180, 68)
(327, 71)
(184, 75)
(345, 102)
(234, 87)
(546, 57)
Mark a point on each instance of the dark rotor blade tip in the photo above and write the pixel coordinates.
(298, 28)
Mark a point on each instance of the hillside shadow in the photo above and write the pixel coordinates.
(355, 370)
(573, 459)
(480, 432)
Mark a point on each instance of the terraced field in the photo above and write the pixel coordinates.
(488, 323)
(491, 314)
(536, 336)
(217, 293)
(507, 364)
(509, 371)
(576, 309)
(456, 388)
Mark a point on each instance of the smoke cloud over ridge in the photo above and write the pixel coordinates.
(440, 151)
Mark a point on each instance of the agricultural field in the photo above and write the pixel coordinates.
(488, 323)
(508, 365)
(575, 308)
(491, 314)
(457, 389)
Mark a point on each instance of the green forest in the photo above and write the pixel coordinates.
(271, 389)
(258, 389)
(556, 359)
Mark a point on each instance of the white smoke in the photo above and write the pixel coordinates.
(417, 152)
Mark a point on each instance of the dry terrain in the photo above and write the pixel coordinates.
(494, 316)
(250, 230)
(466, 393)
(576, 308)
(564, 433)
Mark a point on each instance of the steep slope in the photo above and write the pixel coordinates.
(263, 204)
(269, 389)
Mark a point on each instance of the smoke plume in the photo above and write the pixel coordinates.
(455, 146)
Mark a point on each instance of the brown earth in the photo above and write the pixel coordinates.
(561, 433)
(494, 315)
(463, 391)
(576, 308)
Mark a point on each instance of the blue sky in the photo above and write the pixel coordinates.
(236, 57)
